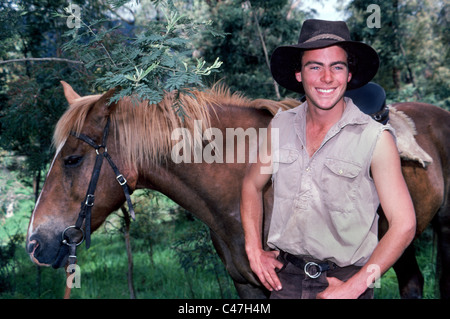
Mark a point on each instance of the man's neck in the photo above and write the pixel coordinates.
(324, 119)
(318, 123)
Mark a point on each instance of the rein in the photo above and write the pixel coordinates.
(88, 203)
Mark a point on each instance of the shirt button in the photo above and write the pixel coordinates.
(341, 172)
(308, 169)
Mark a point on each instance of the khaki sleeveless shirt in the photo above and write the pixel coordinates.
(325, 206)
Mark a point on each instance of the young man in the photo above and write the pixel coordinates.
(332, 166)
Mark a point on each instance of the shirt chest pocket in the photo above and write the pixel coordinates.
(286, 172)
(340, 182)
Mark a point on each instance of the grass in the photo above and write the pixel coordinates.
(160, 236)
(104, 273)
(103, 270)
(426, 258)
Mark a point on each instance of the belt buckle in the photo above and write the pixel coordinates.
(312, 264)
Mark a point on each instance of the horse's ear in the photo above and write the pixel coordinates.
(69, 93)
(103, 106)
(104, 99)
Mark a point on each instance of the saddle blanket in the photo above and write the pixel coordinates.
(405, 129)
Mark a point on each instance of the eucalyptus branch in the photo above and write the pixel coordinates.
(41, 59)
(206, 71)
(72, 15)
(156, 60)
(101, 44)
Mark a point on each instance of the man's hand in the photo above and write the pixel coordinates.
(333, 290)
(263, 264)
(338, 289)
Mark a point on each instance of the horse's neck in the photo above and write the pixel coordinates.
(208, 189)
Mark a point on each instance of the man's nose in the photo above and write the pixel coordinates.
(327, 76)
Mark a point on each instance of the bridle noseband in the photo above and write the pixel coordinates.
(88, 203)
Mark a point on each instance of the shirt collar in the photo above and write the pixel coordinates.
(352, 116)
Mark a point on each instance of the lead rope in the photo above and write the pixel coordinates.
(72, 261)
(68, 290)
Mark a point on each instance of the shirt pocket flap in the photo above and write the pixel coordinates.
(343, 168)
(286, 156)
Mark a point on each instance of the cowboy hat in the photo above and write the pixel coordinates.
(317, 34)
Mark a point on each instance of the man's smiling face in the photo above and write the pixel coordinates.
(324, 75)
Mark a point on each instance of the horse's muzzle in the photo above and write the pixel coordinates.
(32, 249)
(54, 254)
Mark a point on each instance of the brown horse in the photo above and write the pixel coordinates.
(144, 143)
(429, 189)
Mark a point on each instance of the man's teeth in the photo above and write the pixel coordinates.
(325, 91)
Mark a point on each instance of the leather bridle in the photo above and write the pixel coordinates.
(88, 203)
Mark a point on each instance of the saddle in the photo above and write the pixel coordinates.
(371, 99)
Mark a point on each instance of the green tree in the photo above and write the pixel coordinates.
(253, 30)
(92, 46)
(413, 46)
(30, 93)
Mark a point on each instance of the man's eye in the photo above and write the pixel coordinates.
(72, 161)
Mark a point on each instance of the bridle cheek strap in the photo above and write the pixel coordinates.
(88, 203)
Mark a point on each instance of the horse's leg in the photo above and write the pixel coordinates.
(442, 228)
(249, 291)
(241, 278)
(410, 279)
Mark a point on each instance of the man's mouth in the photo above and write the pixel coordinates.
(325, 91)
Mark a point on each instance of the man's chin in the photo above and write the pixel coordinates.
(326, 103)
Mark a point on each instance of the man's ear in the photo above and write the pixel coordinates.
(349, 77)
(69, 93)
(298, 76)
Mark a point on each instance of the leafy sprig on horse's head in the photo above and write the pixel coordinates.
(142, 63)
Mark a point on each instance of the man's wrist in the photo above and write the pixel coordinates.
(359, 283)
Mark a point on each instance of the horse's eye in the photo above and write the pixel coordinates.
(72, 161)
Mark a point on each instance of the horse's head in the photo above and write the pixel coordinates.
(71, 171)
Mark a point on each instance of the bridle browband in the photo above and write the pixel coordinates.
(88, 203)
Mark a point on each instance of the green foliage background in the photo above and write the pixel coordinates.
(147, 47)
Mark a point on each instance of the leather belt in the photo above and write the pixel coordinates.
(312, 269)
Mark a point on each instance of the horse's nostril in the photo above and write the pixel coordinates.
(43, 251)
(32, 245)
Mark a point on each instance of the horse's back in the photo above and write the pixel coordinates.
(425, 115)
(428, 186)
(432, 125)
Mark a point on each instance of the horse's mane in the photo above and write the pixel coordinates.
(146, 138)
